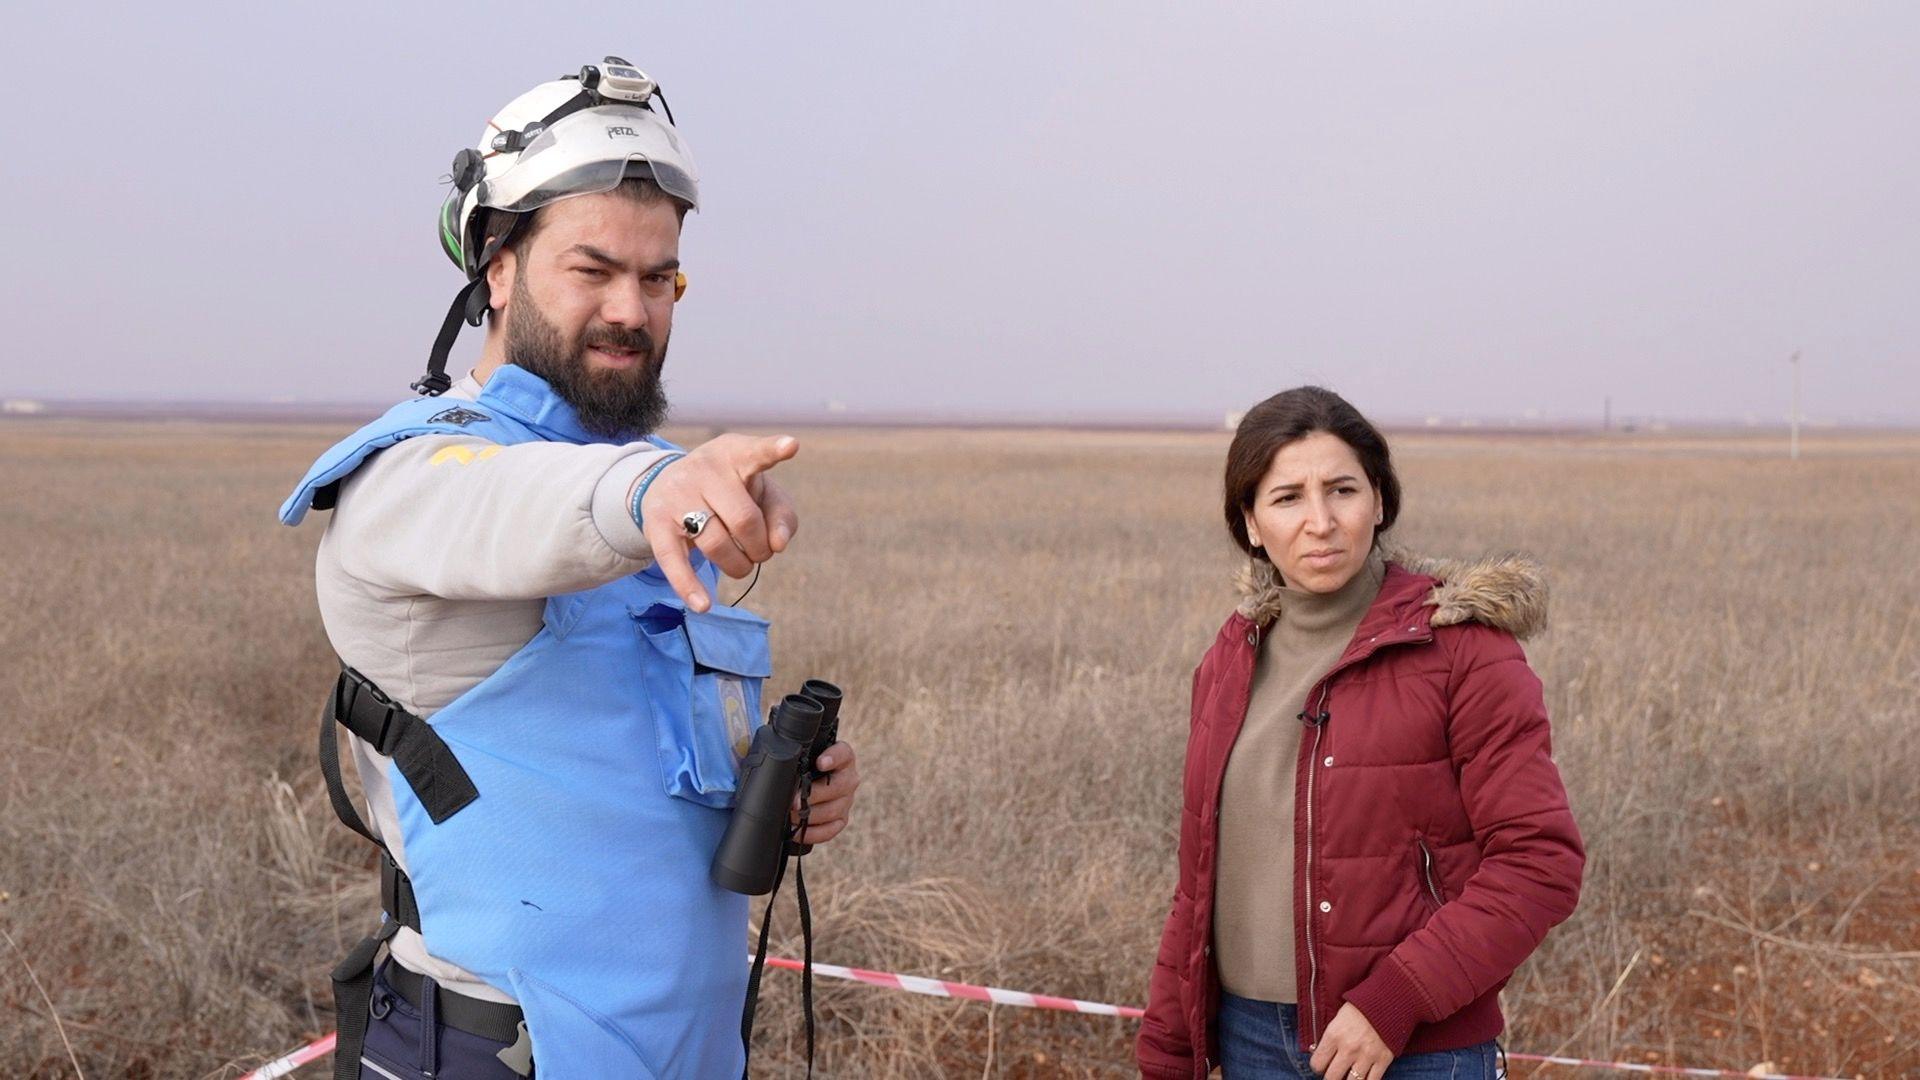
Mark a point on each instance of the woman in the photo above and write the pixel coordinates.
(1374, 834)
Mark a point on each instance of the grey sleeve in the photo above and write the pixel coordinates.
(462, 518)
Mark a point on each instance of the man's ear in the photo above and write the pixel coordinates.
(500, 276)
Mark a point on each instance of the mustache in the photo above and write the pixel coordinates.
(635, 340)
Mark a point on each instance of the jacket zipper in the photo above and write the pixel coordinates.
(1313, 961)
(1313, 767)
(1426, 871)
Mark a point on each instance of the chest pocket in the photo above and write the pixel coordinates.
(703, 673)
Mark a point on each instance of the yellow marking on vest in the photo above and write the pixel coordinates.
(465, 455)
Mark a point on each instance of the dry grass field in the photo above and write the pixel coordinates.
(1733, 672)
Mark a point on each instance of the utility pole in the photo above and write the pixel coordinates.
(1793, 451)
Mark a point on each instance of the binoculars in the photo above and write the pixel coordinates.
(798, 730)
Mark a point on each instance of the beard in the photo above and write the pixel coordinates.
(610, 403)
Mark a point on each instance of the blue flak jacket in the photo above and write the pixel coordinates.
(606, 754)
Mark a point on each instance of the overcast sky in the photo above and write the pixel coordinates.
(1039, 208)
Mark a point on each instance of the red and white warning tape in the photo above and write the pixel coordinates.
(1663, 1070)
(915, 984)
(281, 1066)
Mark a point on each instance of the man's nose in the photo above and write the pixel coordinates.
(624, 305)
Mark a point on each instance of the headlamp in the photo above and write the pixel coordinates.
(617, 80)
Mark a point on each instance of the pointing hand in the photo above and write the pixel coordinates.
(752, 518)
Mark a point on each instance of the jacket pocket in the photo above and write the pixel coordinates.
(703, 672)
(1429, 873)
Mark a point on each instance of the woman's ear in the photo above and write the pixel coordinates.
(1253, 530)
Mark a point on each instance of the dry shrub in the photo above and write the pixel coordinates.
(1731, 672)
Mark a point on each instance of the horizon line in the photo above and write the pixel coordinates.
(214, 410)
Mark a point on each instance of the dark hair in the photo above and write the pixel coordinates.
(636, 189)
(1287, 417)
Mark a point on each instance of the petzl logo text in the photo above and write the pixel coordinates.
(615, 132)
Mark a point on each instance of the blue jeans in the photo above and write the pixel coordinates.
(1260, 1040)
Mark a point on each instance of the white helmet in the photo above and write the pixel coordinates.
(577, 135)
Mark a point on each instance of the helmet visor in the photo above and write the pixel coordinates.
(591, 151)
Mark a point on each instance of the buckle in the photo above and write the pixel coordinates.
(389, 885)
(429, 765)
(431, 385)
(350, 711)
(396, 894)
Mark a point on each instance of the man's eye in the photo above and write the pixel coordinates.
(657, 279)
(590, 271)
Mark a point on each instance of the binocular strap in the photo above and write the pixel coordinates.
(806, 939)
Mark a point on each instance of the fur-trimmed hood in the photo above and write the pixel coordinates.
(1507, 592)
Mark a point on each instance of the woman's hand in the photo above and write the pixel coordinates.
(831, 803)
(1350, 1049)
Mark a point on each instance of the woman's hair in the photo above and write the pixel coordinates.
(1292, 415)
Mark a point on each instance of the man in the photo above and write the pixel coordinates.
(547, 705)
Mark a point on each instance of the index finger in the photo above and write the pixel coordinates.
(777, 509)
(763, 454)
(670, 553)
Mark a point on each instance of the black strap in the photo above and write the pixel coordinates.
(396, 889)
(423, 758)
(443, 788)
(806, 910)
(495, 1020)
(396, 893)
(806, 952)
(753, 974)
(766, 926)
(353, 1000)
(435, 381)
(330, 767)
(587, 98)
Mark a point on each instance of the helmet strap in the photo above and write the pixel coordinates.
(435, 381)
(469, 306)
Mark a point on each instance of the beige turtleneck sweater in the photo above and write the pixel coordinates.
(1253, 887)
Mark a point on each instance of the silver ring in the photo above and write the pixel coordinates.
(694, 522)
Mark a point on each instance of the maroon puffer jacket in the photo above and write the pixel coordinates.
(1433, 847)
